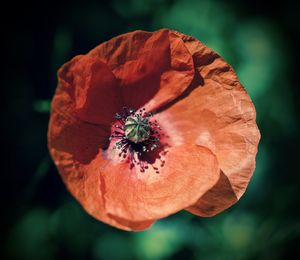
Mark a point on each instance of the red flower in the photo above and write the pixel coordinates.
(127, 167)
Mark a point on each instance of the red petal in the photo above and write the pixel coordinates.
(189, 171)
(74, 144)
(153, 69)
(150, 67)
(217, 113)
(93, 89)
(100, 185)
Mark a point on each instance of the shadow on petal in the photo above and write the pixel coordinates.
(151, 69)
(97, 96)
(152, 156)
(217, 199)
(79, 139)
(196, 83)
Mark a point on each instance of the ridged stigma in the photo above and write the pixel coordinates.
(137, 129)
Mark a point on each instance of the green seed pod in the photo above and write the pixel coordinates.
(137, 129)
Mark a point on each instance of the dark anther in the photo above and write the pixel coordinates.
(137, 134)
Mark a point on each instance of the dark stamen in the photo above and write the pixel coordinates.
(136, 135)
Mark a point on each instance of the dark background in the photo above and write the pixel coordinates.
(40, 219)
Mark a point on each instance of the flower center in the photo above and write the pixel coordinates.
(137, 129)
(135, 134)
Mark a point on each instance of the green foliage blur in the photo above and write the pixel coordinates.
(41, 220)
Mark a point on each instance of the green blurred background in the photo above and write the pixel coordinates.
(40, 219)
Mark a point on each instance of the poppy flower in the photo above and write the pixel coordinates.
(150, 123)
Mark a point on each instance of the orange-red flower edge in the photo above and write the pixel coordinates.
(210, 136)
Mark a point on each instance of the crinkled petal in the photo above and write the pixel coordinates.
(86, 186)
(210, 203)
(201, 105)
(151, 68)
(73, 145)
(217, 113)
(93, 89)
(188, 172)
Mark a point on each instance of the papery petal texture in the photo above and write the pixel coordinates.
(207, 153)
(218, 113)
(151, 68)
(189, 172)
